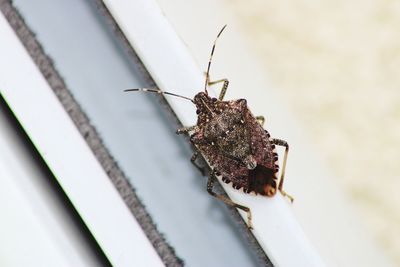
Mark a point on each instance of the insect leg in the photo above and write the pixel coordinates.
(260, 119)
(186, 129)
(223, 89)
(280, 142)
(193, 161)
(210, 185)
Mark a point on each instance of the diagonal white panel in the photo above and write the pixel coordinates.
(69, 157)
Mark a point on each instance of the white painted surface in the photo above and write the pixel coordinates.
(35, 230)
(69, 157)
(173, 68)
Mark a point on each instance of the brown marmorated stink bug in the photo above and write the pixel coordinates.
(234, 142)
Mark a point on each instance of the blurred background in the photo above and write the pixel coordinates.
(337, 65)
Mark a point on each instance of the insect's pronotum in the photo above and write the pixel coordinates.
(234, 142)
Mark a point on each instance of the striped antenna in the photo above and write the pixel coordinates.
(158, 92)
(209, 62)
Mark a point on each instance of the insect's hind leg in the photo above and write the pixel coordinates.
(280, 142)
(210, 185)
(223, 89)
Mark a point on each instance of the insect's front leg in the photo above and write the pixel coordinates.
(186, 129)
(280, 142)
(261, 120)
(223, 89)
(210, 185)
(193, 161)
(195, 139)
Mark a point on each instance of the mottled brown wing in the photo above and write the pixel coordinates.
(262, 179)
(259, 180)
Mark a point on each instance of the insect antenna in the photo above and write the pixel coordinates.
(158, 92)
(209, 62)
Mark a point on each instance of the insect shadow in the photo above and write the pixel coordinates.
(234, 143)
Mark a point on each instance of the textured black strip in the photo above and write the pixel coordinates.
(56, 82)
(263, 258)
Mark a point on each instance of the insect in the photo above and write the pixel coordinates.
(234, 142)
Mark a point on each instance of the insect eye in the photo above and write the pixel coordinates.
(213, 99)
(197, 111)
(243, 102)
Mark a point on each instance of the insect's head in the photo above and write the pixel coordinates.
(204, 103)
(201, 97)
